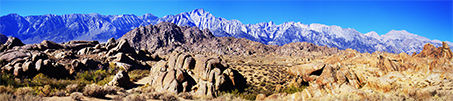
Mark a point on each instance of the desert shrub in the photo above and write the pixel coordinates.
(24, 91)
(106, 80)
(94, 90)
(154, 95)
(8, 80)
(27, 97)
(77, 96)
(42, 80)
(169, 97)
(110, 89)
(59, 93)
(293, 89)
(236, 94)
(142, 89)
(72, 88)
(135, 97)
(137, 74)
(45, 91)
(92, 76)
(120, 96)
(8, 89)
(6, 97)
(185, 95)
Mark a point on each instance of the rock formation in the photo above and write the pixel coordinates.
(121, 79)
(366, 76)
(65, 59)
(198, 74)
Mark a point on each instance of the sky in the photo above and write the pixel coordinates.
(431, 19)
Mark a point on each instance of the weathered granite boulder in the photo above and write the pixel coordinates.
(200, 75)
(121, 79)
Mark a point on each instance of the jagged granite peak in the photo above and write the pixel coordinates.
(166, 37)
(61, 28)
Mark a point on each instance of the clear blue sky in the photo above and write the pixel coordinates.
(432, 19)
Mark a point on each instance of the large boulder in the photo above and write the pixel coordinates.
(326, 79)
(11, 55)
(121, 79)
(10, 43)
(50, 45)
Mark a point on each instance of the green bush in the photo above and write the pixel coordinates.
(8, 80)
(137, 74)
(293, 89)
(92, 76)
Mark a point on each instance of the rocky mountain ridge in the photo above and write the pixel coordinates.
(165, 37)
(3, 38)
(61, 28)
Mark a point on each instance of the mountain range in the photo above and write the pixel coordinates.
(62, 28)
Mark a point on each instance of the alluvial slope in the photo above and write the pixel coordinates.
(60, 28)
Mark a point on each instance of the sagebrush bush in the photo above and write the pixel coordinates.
(185, 95)
(94, 90)
(24, 91)
(59, 93)
(6, 97)
(72, 88)
(154, 95)
(77, 96)
(169, 97)
(8, 89)
(45, 91)
(135, 97)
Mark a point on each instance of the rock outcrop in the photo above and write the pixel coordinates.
(121, 79)
(62, 60)
(368, 76)
(430, 50)
(198, 74)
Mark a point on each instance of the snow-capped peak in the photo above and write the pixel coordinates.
(372, 34)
